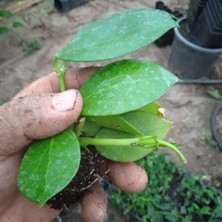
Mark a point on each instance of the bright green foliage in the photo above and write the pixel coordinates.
(143, 122)
(124, 86)
(117, 35)
(149, 121)
(48, 166)
(139, 122)
(172, 195)
(124, 153)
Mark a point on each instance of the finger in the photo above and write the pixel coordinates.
(74, 79)
(24, 210)
(129, 177)
(94, 204)
(37, 117)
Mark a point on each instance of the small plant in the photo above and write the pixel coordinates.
(172, 195)
(5, 14)
(120, 118)
(28, 46)
(214, 93)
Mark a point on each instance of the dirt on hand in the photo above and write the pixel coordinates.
(188, 106)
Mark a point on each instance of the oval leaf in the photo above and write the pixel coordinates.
(149, 121)
(48, 166)
(124, 86)
(114, 122)
(117, 35)
(143, 122)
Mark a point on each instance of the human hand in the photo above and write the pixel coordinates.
(40, 111)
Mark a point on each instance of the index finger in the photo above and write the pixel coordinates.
(74, 79)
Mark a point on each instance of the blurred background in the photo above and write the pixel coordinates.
(31, 32)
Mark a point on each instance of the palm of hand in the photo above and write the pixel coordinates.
(38, 112)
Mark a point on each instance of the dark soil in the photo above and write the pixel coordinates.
(87, 175)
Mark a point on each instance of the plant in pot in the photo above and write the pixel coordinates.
(120, 119)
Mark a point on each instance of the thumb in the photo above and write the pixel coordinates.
(36, 117)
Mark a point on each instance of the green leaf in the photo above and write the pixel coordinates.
(3, 30)
(90, 128)
(143, 122)
(17, 24)
(149, 122)
(206, 210)
(124, 86)
(218, 212)
(48, 166)
(214, 93)
(130, 136)
(5, 13)
(117, 35)
(116, 123)
(122, 153)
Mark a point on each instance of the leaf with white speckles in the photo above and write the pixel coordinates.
(147, 121)
(124, 86)
(48, 166)
(142, 122)
(117, 35)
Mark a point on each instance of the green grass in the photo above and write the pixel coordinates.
(172, 195)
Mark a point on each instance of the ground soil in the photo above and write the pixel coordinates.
(188, 106)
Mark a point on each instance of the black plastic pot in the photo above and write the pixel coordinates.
(189, 60)
(205, 34)
(194, 11)
(66, 5)
(206, 31)
(167, 38)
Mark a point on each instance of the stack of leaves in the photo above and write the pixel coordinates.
(120, 117)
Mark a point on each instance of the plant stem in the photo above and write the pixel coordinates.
(149, 142)
(60, 70)
(85, 141)
(174, 148)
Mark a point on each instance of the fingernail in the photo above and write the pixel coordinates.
(64, 101)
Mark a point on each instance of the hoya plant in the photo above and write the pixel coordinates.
(120, 120)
